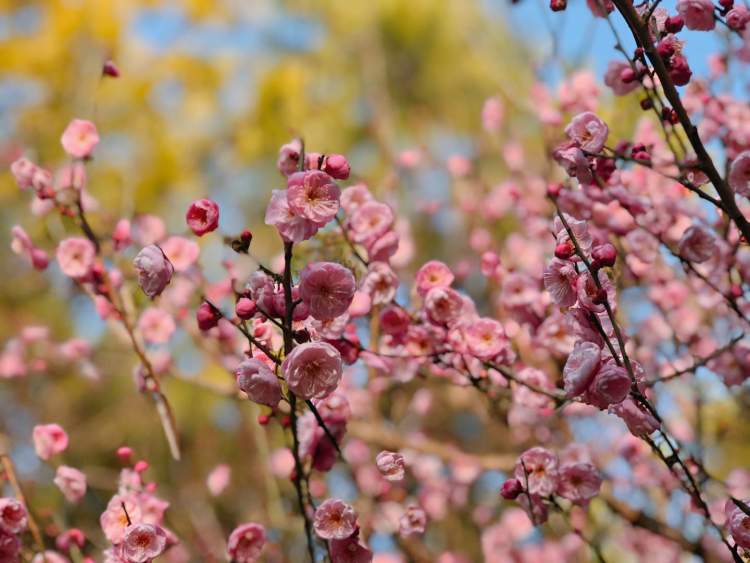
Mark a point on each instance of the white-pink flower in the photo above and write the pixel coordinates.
(22, 245)
(334, 519)
(154, 270)
(443, 305)
(588, 131)
(313, 370)
(143, 542)
(698, 15)
(369, 221)
(391, 465)
(433, 274)
(578, 482)
(79, 138)
(485, 338)
(413, 521)
(49, 440)
(156, 325)
(218, 479)
(75, 256)
(327, 288)
(536, 470)
(380, 283)
(257, 380)
(560, 281)
(181, 252)
(313, 195)
(291, 227)
(71, 482)
(121, 511)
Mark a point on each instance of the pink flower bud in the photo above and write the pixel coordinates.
(511, 489)
(604, 255)
(80, 138)
(245, 308)
(110, 69)
(336, 166)
(154, 270)
(207, 316)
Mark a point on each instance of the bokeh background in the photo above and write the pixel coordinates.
(209, 90)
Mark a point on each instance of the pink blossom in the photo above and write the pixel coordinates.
(575, 163)
(181, 252)
(536, 470)
(156, 325)
(257, 380)
(246, 542)
(578, 482)
(13, 517)
(313, 195)
(327, 288)
(613, 78)
(350, 550)
(142, 542)
(588, 131)
(79, 138)
(739, 174)
(289, 154)
(485, 338)
(580, 368)
(639, 421)
(443, 305)
(291, 227)
(148, 229)
(380, 283)
(433, 274)
(202, 216)
(738, 523)
(10, 547)
(121, 235)
(394, 320)
(114, 520)
(391, 465)
(413, 521)
(71, 482)
(334, 519)
(75, 256)
(369, 221)
(22, 245)
(23, 172)
(355, 196)
(69, 538)
(49, 440)
(698, 15)
(218, 479)
(492, 114)
(154, 270)
(697, 244)
(610, 386)
(560, 281)
(313, 370)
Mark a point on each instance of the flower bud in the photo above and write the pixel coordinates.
(511, 489)
(337, 166)
(207, 316)
(674, 24)
(564, 250)
(604, 255)
(245, 308)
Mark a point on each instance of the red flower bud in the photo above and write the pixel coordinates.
(564, 250)
(511, 489)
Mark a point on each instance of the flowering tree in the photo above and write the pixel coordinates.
(579, 335)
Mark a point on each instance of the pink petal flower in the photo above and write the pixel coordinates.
(313, 370)
(246, 542)
(154, 270)
(413, 521)
(697, 244)
(258, 381)
(588, 131)
(313, 195)
(580, 368)
(49, 440)
(71, 482)
(698, 15)
(578, 482)
(433, 274)
(391, 465)
(202, 216)
(291, 227)
(143, 542)
(13, 517)
(79, 138)
(536, 470)
(334, 519)
(327, 288)
(75, 256)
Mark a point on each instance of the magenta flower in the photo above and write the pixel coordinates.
(413, 521)
(536, 470)
(698, 15)
(335, 520)
(313, 370)
(258, 381)
(79, 138)
(433, 274)
(291, 227)
(154, 270)
(578, 482)
(580, 368)
(75, 256)
(485, 338)
(246, 542)
(739, 174)
(143, 542)
(327, 288)
(49, 440)
(575, 163)
(613, 77)
(391, 465)
(313, 195)
(13, 518)
(337, 166)
(71, 482)
(10, 547)
(202, 216)
(697, 244)
(588, 131)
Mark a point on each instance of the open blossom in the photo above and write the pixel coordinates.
(580, 368)
(413, 521)
(560, 281)
(443, 305)
(614, 77)
(291, 227)
(260, 383)
(143, 542)
(390, 465)
(433, 274)
(697, 244)
(575, 163)
(369, 221)
(739, 174)
(22, 245)
(246, 542)
(181, 252)
(334, 519)
(71, 482)
(485, 338)
(154, 270)
(75, 256)
(380, 283)
(13, 518)
(578, 482)
(354, 196)
(327, 288)
(49, 440)
(639, 421)
(610, 386)
(114, 520)
(313, 195)
(313, 370)
(79, 138)
(698, 15)
(156, 325)
(536, 470)
(202, 216)
(23, 172)
(588, 131)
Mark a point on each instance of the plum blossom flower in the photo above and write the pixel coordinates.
(433, 274)
(485, 338)
(13, 517)
(391, 465)
(588, 131)
(578, 482)
(380, 283)
(79, 138)
(75, 256)
(143, 542)
(114, 519)
(336, 166)
(10, 547)
(313, 195)
(71, 482)
(610, 386)
(697, 244)
(49, 556)
(613, 77)
(327, 288)
(156, 325)
(288, 160)
(559, 280)
(291, 227)
(257, 380)
(443, 305)
(492, 114)
(413, 521)
(580, 368)
(739, 174)
(334, 519)
(181, 252)
(698, 15)
(575, 163)
(369, 221)
(23, 172)
(202, 216)
(738, 523)
(154, 270)
(639, 421)
(536, 469)
(350, 550)
(246, 542)
(354, 196)
(49, 440)
(313, 370)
